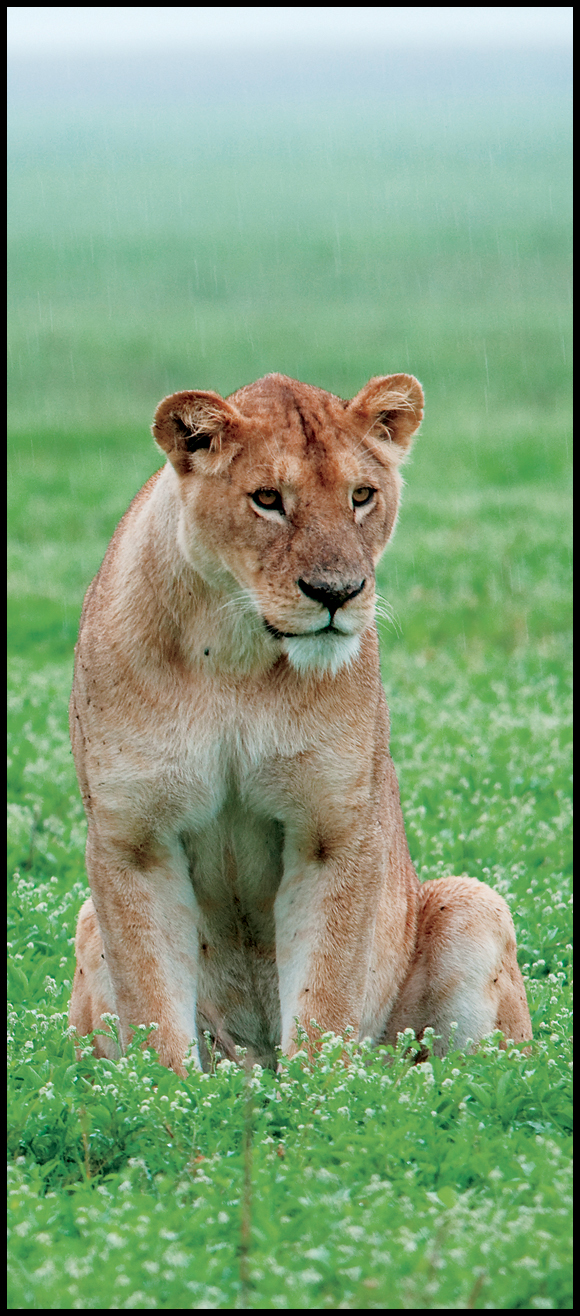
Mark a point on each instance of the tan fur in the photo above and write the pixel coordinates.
(246, 849)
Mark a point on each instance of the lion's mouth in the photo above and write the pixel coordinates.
(302, 635)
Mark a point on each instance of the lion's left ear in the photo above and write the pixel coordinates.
(390, 408)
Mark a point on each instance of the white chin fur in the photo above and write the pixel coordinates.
(326, 652)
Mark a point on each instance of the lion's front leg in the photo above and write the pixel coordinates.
(325, 917)
(138, 956)
(464, 969)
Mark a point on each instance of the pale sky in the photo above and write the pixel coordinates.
(47, 29)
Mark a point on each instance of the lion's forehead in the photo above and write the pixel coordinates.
(327, 463)
(278, 406)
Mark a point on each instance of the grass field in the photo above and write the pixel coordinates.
(157, 246)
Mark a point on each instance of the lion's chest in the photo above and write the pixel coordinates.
(235, 866)
(232, 833)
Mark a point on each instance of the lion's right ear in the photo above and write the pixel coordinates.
(390, 408)
(190, 422)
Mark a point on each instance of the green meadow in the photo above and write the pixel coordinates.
(159, 242)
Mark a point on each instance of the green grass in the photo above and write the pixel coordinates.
(203, 247)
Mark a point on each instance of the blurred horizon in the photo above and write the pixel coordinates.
(222, 75)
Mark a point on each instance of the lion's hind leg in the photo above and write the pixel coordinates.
(92, 993)
(464, 969)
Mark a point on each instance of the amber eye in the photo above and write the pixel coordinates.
(362, 495)
(269, 498)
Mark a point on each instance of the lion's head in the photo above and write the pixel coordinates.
(290, 495)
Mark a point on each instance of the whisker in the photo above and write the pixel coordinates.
(240, 603)
(387, 613)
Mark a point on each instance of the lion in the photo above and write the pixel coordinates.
(246, 850)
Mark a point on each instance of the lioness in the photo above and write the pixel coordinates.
(246, 849)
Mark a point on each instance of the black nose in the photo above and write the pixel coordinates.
(331, 596)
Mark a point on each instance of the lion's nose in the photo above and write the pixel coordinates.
(332, 595)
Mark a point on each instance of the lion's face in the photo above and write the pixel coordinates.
(289, 496)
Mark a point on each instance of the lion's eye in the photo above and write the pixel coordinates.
(269, 498)
(362, 495)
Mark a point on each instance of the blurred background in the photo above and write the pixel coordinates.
(198, 196)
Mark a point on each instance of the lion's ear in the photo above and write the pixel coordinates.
(390, 408)
(186, 423)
